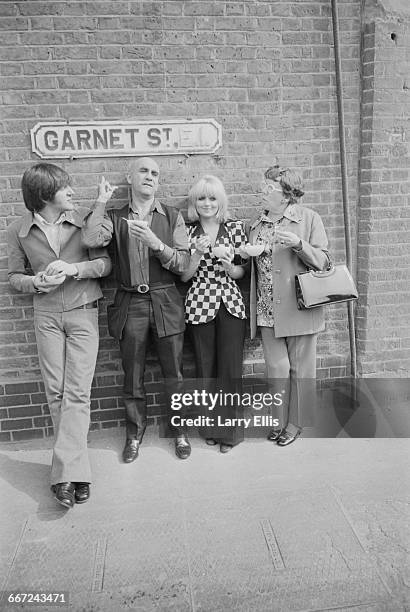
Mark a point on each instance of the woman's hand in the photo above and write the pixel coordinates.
(202, 243)
(226, 260)
(242, 252)
(288, 240)
(235, 272)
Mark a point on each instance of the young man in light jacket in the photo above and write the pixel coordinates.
(63, 281)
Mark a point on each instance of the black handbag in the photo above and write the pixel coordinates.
(316, 288)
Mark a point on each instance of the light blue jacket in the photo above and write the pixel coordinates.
(286, 263)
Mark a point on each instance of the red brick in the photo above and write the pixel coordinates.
(14, 424)
(14, 23)
(107, 8)
(237, 62)
(105, 392)
(24, 411)
(27, 434)
(14, 400)
(107, 415)
(43, 421)
(22, 387)
(108, 403)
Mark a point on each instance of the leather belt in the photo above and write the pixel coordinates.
(144, 288)
(89, 305)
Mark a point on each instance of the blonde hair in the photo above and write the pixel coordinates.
(208, 186)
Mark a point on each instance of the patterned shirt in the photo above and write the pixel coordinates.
(211, 283)
(264, 266)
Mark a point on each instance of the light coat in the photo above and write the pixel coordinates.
(286, 263)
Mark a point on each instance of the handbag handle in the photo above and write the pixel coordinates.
(330, 270)
(324, 273)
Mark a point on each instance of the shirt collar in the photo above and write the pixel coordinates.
(156, 205)
(198, 230)
(293, 212)
(70, 216)
(43, 221)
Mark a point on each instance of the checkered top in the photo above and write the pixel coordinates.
(211, 283)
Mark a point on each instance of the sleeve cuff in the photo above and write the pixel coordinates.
(79, 267)
(97, 209)
(165, 255)
(31, 286)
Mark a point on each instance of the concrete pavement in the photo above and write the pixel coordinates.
(320, 525)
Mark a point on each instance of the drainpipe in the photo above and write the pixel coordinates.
(343, 169)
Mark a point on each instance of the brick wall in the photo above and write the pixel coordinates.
(383, 314)
(264, 70)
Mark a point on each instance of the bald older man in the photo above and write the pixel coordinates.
(150, 246)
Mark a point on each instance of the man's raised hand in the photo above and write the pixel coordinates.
(105, 190)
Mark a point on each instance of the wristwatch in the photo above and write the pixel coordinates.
(160, 248)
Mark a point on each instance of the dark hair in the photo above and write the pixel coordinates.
(290, 181)
(40, 184)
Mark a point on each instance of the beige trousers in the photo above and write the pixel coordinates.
(291, 370)
(67, 346)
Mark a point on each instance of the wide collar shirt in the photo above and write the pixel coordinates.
(53, 231)
(138, 252)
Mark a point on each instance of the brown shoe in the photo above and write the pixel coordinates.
(82, 492)
(225, 448)
(182, 447)
(210, 442)
(64, 493)
(286, 438)
(130, 452)
(274, 435)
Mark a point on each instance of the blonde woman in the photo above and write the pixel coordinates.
(214, 306)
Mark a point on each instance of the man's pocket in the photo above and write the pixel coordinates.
(168, 312)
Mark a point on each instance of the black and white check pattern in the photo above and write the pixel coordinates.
(211, 283)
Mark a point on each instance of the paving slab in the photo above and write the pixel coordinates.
(320, 525)
(297, 546)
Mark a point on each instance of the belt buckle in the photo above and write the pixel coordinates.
(143, 288)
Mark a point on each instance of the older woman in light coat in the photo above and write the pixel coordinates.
(294, 241)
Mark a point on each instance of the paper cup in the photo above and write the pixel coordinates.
(221, 251)
(254, 249)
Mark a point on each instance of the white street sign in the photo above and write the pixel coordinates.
(56, 140)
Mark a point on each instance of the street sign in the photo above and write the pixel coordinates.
(56, 140)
